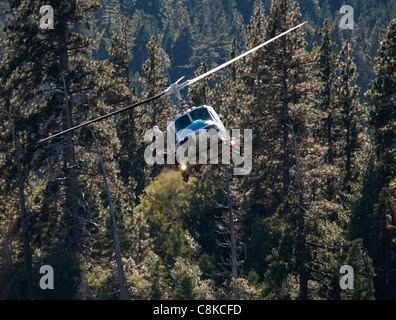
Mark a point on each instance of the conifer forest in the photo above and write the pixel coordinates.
(83, 216)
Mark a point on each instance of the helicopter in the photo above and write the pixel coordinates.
(192, 120)
(198, 124)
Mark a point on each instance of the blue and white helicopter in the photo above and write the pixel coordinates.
(191, 120)
(199, 124)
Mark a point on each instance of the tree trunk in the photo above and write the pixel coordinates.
(285, 124)
(330, 138)
(124, 294)
(301, 224)
(348, 105)
(25, 234)
(69, 161)
(128, 82)
(348, 150)
(286, 160)
(329, 188)
(234, 267)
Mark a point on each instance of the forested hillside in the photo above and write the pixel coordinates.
(321, 194)
(191, 32)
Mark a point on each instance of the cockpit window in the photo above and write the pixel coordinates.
(200, 114)
(182, 123)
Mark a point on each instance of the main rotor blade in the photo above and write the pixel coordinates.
(105, 116)
(190, 82)
(174, 88)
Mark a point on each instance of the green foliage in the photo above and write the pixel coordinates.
(381, 96)
(17, 288)
(363, 271)
(184, 288)
(296, 226)
(239, 288)
(67, 276)
(373, 217)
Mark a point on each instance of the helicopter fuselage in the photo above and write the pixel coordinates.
(199, 134)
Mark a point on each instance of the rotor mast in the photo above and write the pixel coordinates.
(175, 88)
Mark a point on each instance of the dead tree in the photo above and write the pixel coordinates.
(69, 162)
(301, 220)
(227, 230)
(124, 294)
(22, 204)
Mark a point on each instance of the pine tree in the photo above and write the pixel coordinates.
(290, 61)
(382, 114)
(184, 289)
(363, 288)
(277, 87)
(278, 78)
(198, 93)
(119, 53)
(182, 51)
(326, 184)
(154, 80)
(126, 123)
(326, 65)
(38, 61)
(383, 250)
(141, 29)
(12, 164)
(351, 117)
(51, 84)
(380, 234)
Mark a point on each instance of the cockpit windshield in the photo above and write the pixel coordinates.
(200, 114)
(182, 123)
